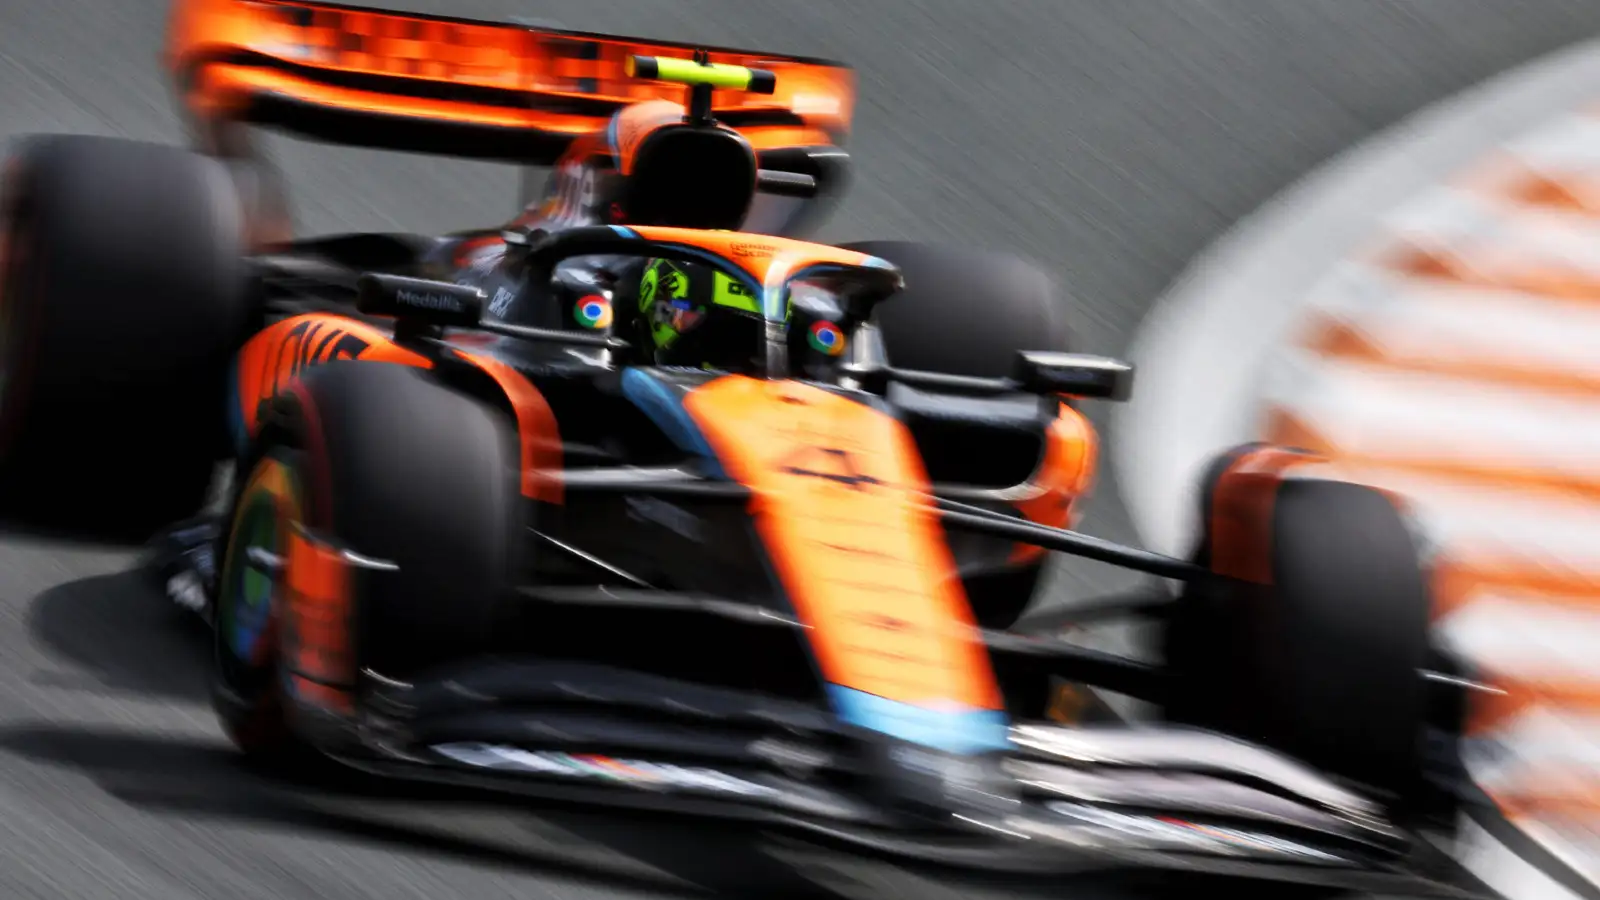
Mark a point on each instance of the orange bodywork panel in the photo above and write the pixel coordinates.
(1066, 472)
(840, 499)
(638, 122)
(318, 608)
(277, 356)
(769, 137)
(319, 57)
(1241, 512)
(537, 429)
(766, 258)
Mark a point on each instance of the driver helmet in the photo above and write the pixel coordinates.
(695, 315)
(698, 316)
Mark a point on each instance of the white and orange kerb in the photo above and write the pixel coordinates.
(1456, 360)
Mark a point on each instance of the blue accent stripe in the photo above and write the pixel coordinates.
(628, 233)
(960, 731)
(665, 408)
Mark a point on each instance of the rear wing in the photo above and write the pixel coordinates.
(436, 84)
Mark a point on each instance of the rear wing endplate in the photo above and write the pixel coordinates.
(437, 84)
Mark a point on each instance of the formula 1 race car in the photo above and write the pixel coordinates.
(642, 499)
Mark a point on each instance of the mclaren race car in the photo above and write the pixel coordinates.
(643, 499)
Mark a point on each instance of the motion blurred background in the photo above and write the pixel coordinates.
(1111, 142)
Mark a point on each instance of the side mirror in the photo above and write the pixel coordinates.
(786, 184)
(874, 287)
(438, 303)
(1073, 374)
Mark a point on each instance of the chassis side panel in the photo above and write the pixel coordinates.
(838, 500)
(282, 352)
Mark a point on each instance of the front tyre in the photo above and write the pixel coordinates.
(381, 460)
(1326, 661)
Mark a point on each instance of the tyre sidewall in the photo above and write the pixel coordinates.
(1324, 663)
(401, 470)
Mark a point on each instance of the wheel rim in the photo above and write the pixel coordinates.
(247, 599)
(248, 595)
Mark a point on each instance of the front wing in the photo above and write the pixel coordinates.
(1062, 800)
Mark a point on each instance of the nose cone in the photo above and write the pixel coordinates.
(936, 786)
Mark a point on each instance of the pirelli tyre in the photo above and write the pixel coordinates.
(968, 312)
(122, 299)
(416, 486)
(1321, 652)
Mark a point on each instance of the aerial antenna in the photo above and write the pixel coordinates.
(700, 94)
(702, 76)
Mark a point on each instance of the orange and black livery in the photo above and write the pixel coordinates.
(638, 496)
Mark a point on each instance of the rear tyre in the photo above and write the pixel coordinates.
(122, 299)
(1326, 663)
(964, 311)
(391, 465)
(968, 312)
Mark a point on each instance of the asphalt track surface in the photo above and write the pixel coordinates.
(1108, 140)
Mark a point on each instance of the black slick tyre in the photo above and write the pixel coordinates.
(1325, 663)
(122, 300)
(965, 311)
(387, 464)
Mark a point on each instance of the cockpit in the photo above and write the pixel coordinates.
(700, 316)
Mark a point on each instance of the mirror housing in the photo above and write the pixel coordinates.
(786, 184)
(438, 303)
(1073, 374)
